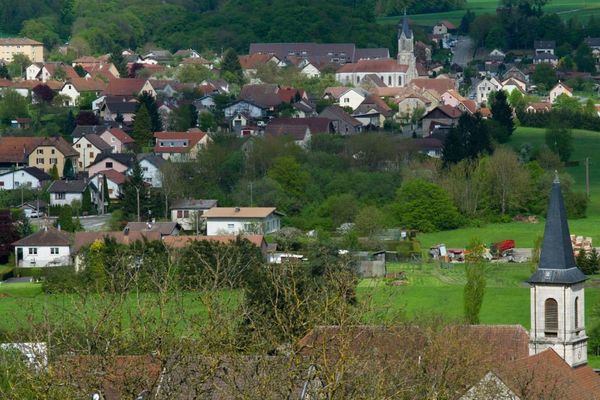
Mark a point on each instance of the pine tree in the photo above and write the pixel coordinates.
(86, 201)
(231, 65)
(502, 114)
(145, 99)
(593, 260)
(70, 124)
(105, 190)
(117, 59)
(54, 173)
(129, 195)
(68, 170)
(142, 127)
(582, 261)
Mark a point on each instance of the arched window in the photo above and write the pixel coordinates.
(576, 313)
(389, 81)
(551, 318)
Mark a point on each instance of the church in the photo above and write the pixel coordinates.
(394, 73)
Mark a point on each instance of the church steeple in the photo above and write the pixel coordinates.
(557, 292)
(406, 49)
(404, 28)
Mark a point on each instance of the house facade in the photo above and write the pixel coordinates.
(30, 177)
(118, 140)
(484, 88)
(150, 165)
(179, 146)
(559, 90)
(119, 162)
(53, 151)
(240, 220)
(64, 193)
(190, 213)
(89, 147)
(47, 247)
(9, 47)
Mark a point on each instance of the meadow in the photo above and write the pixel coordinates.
(565, 8)
(586, 144)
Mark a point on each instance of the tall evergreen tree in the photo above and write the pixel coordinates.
(68, 170)
(468, 139)
(86, 200)
(4, 72)
(231, 65)
(117, 59)
(106, 193)
(131, 188)
(145, 99)
(142, 127)
(70, 124)
(54, 173)
(502, 114)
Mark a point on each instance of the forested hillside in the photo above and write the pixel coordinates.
(98, 26)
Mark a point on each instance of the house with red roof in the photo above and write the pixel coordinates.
(559, 90)
(117, 139)
(114, 181)
(251, 62)
(180, 146)
(128, 87)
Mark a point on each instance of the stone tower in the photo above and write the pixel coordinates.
(557, 294)
(406, 48)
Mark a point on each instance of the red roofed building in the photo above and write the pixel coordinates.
(251, 62)
(114, 181)
(179, 146)
(127, 87)
(117, 139)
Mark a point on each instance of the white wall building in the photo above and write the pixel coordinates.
(47, 247)
(30, 177)
(239, 220)
(190, 213)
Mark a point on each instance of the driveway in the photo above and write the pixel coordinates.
(462, 53)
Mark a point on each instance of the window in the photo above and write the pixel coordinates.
(52, 151)
(33, 250)
(145, 169)
(91, 154)
(54, 161)
(230, 226)
(1, 183)
(54, 250)
(39, 160)
(576, 313)
(80, 164)
(551, 318)
(40, 151)
(89, 146)
(112, 139)
(390, 80)
(179, 213)
(78, 145)
(60, 196)
(186, 214)
(108, 164)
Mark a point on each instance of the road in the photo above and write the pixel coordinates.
(462, 51)
(90, 223)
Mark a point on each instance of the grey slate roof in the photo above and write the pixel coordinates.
(165, 228)
(544, 44)
(76, 186)
(153, 159)
(123, 158)
(557, 263)
(45, 237)
(192, 204)
(405, 27)
(81, 130)
(38, 173)
(98, 142)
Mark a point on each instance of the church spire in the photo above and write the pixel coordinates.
(557, 263)
(405, 30)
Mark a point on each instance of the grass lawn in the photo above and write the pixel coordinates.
(565, 8)
(586, 144)
(430, 289)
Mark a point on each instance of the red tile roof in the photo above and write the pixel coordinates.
(17, 149)
(182, 241)
(252, 61)
(192, 137)
(121, 135)
(114, 176)
(19, 41)
(440, 85)
(375, 66)
(124, 87)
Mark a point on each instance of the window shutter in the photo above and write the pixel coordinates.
(551, 317)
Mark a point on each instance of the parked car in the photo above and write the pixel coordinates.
(35, 214)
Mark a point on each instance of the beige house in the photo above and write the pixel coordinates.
(30, 48)
(53, 151)
(88, 147)
(558, 90)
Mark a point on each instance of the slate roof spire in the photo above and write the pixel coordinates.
(557, 262)
(405, 27)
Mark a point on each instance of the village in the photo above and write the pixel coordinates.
(267, 225)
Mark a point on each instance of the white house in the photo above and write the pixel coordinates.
(190, 213)
(239, 220)
(484, 88)
(114, 181)
(346, 97)
(151, 165)
(63, 193)
(30, 177)
(47, 247)
(558, 90)
(309, 70)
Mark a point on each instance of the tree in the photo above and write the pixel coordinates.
(584, 58)
(86, 200)
(19, 64)
(117, 59)
(207, 121)
(507, 181)
(369, 221)
(43, 94)
(86, 118)
(469, 139)
(8, 235)
(4, 72)
(70, 124)
(544, 76)
(146, 99)
(105, 191)
(475, 287)
(184, 117)
(231, 65)
(54, 173)
(66, 221)
(425, 206)
(502, 114)
(68, 169)
(12, 105)
(142, 127)
(517, 100)
(560, 140)
(133, 189)
(466, 21)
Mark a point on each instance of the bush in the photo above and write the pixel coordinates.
(61, 280)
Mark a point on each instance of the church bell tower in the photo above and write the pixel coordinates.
(557, 291)
(406, 49)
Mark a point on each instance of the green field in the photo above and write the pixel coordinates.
(587, 144)
(565, 8)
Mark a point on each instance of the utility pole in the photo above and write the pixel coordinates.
(137, 190)
(587, 176)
